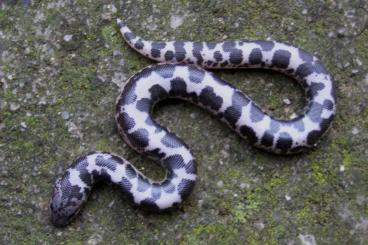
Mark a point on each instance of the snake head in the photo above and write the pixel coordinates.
(66, 201)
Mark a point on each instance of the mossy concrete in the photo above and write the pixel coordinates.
(62, 63)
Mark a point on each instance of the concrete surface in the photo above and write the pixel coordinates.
(61, 65)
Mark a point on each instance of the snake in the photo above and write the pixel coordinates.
(182, 73)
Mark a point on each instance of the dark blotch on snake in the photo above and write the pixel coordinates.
(156, 192)
(218, 56)
(144, 105)
(149, 204)
(174, 162)
(233, 113)
(197, 48)
(125, 121)
(249, 133)
(314, 88)
(185, 187)
(178, 88)
(190, 167)
(156, 49)
(265, 45)
(328, 104)
(84, 175)
(255, 57)
(169, 55)
(139, 44)
(128, 95)
(256, 115)
(168, 187)
(165, 70)
(211, 44)
(171, 140)
(305, 56)
(209, 98)
(236, 56)
(156, 153)
(281, 59)
(130, 172)
(267, 139)
(284, 142)
(298, 124)
(228, 46)
(157, 92)
(126, 185)
(139, 138)
(129, 36)
(106, 163)
(313, 137)
(143, 184)
(179, 51)
(315, 112)
(196, 75)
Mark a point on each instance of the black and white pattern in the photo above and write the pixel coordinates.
(180, 76)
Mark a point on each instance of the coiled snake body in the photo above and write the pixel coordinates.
(180, 76)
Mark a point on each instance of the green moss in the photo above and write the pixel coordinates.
(2, 15)
(347, 158)
(32, 121)
(103, 144)
(318, 173)
(72, 243)
(304, 215)
(112, 36)
(211, 233)
(275, 182)
(242, 212)
(360, 44)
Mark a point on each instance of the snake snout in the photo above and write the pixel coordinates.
(61, 210)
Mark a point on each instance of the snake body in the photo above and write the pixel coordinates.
(180, 76)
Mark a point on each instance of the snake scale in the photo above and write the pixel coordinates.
(181, 74)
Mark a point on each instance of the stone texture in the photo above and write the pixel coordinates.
(61, 62)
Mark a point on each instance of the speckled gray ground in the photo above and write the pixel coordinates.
(62, 62)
